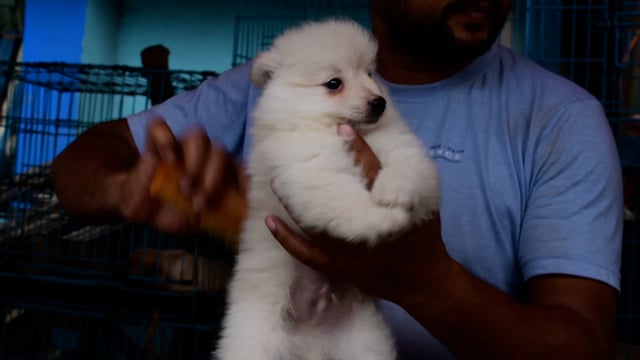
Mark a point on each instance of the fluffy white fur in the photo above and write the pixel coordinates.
(295, 142)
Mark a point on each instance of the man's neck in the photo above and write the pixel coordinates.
(400, 68)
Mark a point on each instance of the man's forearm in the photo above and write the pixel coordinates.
(476, 320)
(88, 174)
(564, 317)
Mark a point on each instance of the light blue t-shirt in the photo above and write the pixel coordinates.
(530, 175)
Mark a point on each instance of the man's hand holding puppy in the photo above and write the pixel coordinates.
(415, 272)
(379, 270)
(388, 270)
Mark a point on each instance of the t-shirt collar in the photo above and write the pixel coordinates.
(477, 67)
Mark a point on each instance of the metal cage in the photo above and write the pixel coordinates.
(258, 23)
(596, 43)
(77, 291)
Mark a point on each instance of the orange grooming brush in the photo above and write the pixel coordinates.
(224, 220)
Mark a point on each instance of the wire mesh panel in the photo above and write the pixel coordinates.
(596, 43)
(255, 33)
(153, 294)
(626, 110)
(36, 330)
(571, 38)
(625, 113)
(260, 22)
(48, 104)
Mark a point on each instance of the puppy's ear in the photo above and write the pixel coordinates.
(263, 67)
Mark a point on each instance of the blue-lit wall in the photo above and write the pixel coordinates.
(53, 30)
(100, 41)
(199, 33)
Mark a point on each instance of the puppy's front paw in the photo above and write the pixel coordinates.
(392, 222)
(376, 224)
(392, 190)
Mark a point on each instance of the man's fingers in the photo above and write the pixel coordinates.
(364, 156)
(216, 172)
(162, 143)
(195, 148)
(297, 245)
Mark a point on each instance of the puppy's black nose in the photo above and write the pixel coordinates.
(378, 105)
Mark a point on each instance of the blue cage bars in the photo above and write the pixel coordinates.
(258, 22)
(72, 291)
(596, 43)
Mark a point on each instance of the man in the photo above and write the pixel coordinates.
(524, 262)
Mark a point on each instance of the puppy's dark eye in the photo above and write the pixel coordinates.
(370, 74)
(333, 84)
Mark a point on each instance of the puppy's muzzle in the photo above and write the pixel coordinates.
(377, 106)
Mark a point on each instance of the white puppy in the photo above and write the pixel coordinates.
(315, 77)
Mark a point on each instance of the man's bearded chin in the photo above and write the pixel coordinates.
(438, 43)
(434, 41)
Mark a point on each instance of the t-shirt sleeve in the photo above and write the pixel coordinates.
(573, 218)
(219, 106)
